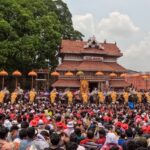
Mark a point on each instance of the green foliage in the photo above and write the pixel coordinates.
(31, 32)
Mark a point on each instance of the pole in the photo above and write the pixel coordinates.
(3, 82)
(146, 83)
(16, 82)
(32, 83)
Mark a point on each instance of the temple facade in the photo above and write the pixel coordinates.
(91, 61)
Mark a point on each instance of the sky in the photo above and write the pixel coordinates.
(126, 22)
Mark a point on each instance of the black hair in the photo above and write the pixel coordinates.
(45, 133)
(102, 132)
(129, 132)
(90, 134)
(14, 127)
(55, 138)
(22, 134)
(131, 145)
(24, 124)
(78, 131)
(3, 132)
(115, 147)
(71, 146)
(73, 138)
(31, 132)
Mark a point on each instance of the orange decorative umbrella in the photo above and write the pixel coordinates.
(55, 73)
(145, 76)
(80, 73)
(3, 73)
(123, 75)
(17, 74)
(68, 73)
(99, 73)
(135, 75)
(113, 75)
(32, 74)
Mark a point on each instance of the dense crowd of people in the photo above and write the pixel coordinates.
(108, 124)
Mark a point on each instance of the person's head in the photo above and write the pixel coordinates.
(129, 132)
(31, 132)
(115, 147)
(45, 134)
(122, 135)
(102, 133)
(14, 131)
(71, 146)
(78, 131)
(139, 131)
(3, 132)
(90, 134)
(24, 124)
(73, 138)
(23, 134)
(131, 145)
(141, 142)
(55, 139)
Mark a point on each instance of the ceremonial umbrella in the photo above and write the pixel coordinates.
(3, 73)
(17, 74)
(145, 76)
(55, 73)
(113, 75)
(32, 74)
(123, 75)
(99, 73)
(68, 73)
(79, 73)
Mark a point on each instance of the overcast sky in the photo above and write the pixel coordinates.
(125, 21)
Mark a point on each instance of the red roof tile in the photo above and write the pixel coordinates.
(90, 66)
(70, 46)
(66, 83)
(118, 83)
(68, 66)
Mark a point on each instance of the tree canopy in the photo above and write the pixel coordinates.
(31, 32)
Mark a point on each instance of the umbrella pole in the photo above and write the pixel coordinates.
(32, 84)
(16, 82)
(3, 82)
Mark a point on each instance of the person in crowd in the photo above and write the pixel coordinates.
(4, 144)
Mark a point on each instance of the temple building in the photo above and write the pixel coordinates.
(91, 61)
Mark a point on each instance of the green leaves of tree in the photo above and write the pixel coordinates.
(31, 32)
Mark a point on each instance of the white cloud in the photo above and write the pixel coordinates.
(119, 27)
(137, 56)
(114, 27)
(85, 24)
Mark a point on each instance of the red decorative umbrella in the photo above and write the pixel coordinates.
(55, 73)
(3, 73)
(17, 74)
(32, 74)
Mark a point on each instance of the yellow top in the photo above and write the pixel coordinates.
(32, 95)
(101, 96)
(126, 96)
(113, 96)
(139, 95)
(53, 95)
(70, 96)
(2, 95)
(13, 96)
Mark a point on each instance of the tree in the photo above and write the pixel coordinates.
(31, 32)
